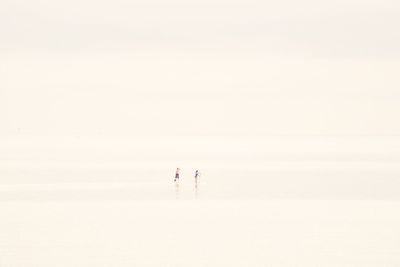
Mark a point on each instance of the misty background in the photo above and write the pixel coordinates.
(111, 91)
(289, 110)
(227, 68)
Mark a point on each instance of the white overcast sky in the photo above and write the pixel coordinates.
(215, 67)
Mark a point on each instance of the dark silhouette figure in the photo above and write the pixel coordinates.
(177, 175)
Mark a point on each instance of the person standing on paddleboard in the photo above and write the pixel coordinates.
(196, 174)
(176, 175)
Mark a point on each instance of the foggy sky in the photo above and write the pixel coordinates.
(199, 67)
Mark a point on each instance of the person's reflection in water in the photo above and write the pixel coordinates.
(176, 190)
(195, 188)
(196, 176)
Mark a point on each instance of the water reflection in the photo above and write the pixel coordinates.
(177, 189)
(196, 187)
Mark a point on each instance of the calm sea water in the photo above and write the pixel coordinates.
(277, 201)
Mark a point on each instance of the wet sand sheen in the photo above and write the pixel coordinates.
(200, 233)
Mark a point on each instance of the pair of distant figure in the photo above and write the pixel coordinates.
(196, 174)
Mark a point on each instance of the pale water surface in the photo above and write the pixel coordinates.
(282, 201)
